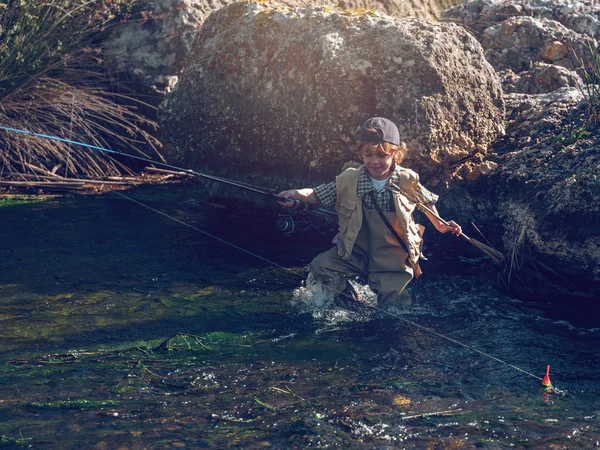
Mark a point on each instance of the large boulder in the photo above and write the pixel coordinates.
(276, 90)
(152, 47)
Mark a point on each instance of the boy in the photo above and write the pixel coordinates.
(365, 198)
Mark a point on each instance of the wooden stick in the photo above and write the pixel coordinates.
(44, 184)
(172, 172)
(490, 251)
(44, 171)
(437, 413)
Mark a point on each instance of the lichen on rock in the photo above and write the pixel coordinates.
(284, 90)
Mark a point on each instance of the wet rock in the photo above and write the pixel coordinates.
(283, 91)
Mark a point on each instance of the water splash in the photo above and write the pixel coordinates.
(312, 297)
(328, 310)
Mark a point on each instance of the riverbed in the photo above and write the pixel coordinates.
(157, 318)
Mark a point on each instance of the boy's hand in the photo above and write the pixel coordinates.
(306, 195)
(291, 194)
(454, 228)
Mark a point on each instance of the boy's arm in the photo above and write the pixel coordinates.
(427, 199)
(306, 195)
(324, 194)
(449, 226)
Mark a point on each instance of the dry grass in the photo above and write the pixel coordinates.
(52, 82)
(591, 87)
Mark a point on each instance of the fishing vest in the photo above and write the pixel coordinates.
(348, 206)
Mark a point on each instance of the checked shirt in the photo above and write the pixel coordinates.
(326, 193)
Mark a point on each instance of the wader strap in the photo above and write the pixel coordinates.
(389, 225)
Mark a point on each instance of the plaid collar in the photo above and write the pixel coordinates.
(365, 185)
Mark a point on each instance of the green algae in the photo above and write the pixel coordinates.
(7, 440)
(77, 404)
(19, 200)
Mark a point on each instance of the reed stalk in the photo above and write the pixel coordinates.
(591, 79)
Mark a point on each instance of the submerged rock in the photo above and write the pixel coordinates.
(276, 90)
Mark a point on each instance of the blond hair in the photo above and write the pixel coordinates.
(398, 152)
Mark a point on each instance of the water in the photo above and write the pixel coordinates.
(121, 328)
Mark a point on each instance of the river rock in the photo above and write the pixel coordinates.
(271, 89)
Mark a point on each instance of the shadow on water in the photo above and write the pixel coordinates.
(123, 328)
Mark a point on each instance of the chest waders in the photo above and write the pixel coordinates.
(376, 254)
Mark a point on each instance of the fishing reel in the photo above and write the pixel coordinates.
(285, 224)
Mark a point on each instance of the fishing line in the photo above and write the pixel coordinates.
(414, 324)
(206, 233)
(254, 189)
(95, 147)
(395, 316)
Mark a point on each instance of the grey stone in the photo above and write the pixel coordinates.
(279, 90)
(154, 45)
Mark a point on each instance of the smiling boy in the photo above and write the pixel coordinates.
(378, 236)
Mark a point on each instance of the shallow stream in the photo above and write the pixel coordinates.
(124, 328)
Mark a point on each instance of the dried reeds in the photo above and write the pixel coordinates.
(52, 82)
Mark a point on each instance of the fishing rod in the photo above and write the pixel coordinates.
(285, 223)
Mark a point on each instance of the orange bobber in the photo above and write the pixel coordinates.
(546, 381)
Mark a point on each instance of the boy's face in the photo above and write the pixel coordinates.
(378, 163)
